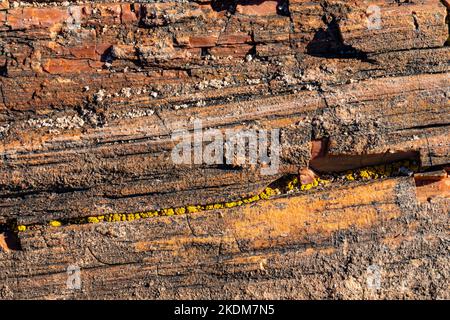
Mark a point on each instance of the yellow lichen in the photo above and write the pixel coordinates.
(292, 184)
(272, 192)
(252, 199)
(55, 223)
(168, 212)
(264, 196)
(322, 181)
(180, 210)
(349, 176)
(306, 187)
(231, 204)
(365, 174)
(192, 209)
(93, 220)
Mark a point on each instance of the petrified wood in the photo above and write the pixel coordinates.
(92, 92)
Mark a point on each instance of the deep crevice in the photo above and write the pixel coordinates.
(416, 22)
(10, 236)
(426, 126)
(447, 20)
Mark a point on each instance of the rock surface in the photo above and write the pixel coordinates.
(92, 92)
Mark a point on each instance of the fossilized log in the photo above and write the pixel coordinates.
(91, 94)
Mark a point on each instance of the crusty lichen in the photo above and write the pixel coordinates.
(55, 223)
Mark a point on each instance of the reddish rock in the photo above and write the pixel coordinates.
(123, 51)
(318, 148)
(236, 38)
(233, 51)
(63, 66)
(258, 8)
(129, 13)
(4, 4)
(26, 18)
(203, 41)
(101, 48)
(85, 52)
(2, 19)
(3, 245)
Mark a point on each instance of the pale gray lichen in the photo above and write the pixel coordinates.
(64, 122)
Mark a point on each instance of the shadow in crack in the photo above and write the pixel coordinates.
(260, 6)
(221, 5)
(328, 43)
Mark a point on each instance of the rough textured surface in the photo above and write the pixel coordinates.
(91, 92)
(309, 246)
